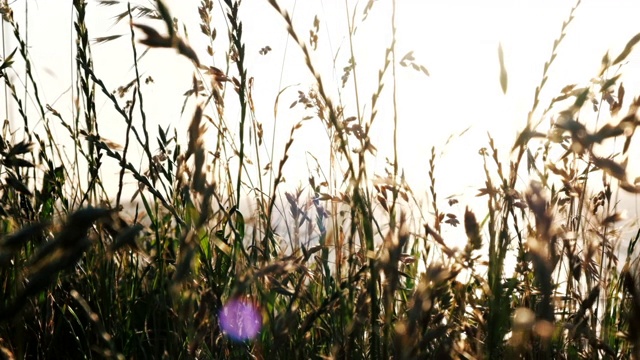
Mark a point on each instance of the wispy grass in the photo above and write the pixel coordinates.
(340, 268)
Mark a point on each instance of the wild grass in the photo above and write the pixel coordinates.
(339, 268)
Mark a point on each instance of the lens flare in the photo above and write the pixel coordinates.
(240, 319)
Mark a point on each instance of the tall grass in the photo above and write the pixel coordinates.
(337, 269)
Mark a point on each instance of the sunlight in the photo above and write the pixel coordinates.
(454, 109)
(304, 179)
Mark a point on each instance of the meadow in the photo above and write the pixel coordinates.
(197, 246)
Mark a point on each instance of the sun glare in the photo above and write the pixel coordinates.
(319, 179)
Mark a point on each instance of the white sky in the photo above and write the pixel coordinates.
(456, 41)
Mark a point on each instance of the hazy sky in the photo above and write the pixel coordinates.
(457, 41)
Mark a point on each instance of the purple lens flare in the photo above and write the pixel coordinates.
(240, 319)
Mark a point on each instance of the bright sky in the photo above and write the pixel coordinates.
(457, 41)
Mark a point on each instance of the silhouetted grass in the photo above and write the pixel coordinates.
(338, 269)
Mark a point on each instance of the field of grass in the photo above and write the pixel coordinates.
(163, 261)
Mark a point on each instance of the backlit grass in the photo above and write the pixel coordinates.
(165, 259)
